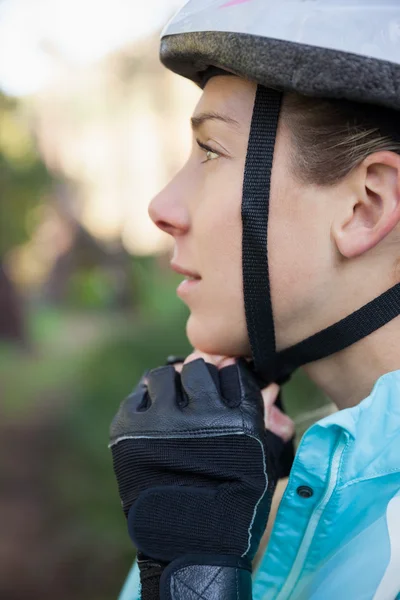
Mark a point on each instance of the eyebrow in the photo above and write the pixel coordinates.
(198, 120)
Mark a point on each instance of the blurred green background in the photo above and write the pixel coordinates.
(87, 301)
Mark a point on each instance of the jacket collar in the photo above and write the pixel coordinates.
(382, 404)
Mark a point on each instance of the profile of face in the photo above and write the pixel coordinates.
(309, 231)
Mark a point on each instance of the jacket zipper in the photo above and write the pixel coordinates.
(308, 537)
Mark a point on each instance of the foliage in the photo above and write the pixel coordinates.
(155, 289)
(90, 288)
(23, 177)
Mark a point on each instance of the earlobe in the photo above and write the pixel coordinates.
(373, 209)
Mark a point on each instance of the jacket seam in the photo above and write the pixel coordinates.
(372, 476)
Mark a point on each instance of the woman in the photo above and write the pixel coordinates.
(286, 221)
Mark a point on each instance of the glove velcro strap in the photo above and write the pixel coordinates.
(150, 574)
(207, 577)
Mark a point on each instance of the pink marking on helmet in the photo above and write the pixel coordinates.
(233, 3)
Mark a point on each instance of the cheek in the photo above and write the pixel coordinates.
(291, 259)
(296, 239)
(221, 249)
(217, 324)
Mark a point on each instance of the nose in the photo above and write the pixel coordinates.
(168, 211)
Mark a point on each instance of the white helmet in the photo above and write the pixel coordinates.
(331, 48)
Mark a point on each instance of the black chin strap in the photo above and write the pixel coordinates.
(268, 364)
(346, 332)
(255, 210)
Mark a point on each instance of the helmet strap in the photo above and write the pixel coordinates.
(255, 211)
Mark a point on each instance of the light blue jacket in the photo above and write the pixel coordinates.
(343, 541)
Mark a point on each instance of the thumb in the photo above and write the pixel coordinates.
(276, 420)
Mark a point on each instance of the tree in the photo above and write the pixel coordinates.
(24, 180)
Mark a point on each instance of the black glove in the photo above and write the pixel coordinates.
(196, 473)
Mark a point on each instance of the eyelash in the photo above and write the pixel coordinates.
(207, 149)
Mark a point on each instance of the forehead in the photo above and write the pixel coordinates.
(230, 96)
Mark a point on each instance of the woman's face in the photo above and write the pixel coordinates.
(201, 209)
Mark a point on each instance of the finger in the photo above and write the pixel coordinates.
(212, 359)
(226, 362)
(162, 386)
(275, 420)
(196, 354)
(176, 362)
(200, 383)
(230, 384)
(217, 365)
(279, 423)
(270, 395)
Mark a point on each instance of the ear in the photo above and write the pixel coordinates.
(373, 209)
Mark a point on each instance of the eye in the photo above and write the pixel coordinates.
(210, 155)
(209, 152)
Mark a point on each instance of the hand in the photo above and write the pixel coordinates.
(196, 473)
(275, 420)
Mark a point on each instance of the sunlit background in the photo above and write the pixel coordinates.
(91, 127)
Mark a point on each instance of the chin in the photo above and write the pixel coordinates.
(217, 338)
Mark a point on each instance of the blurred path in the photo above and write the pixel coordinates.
(25, 449)
(39, 559)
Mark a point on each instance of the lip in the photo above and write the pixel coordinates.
(187, 285)
(186, 272)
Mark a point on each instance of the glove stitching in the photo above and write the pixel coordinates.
(260, 498)
(242, 396)
(211, 581)
(237, 584)
(199, 594)
(187, 586)
(223, 430)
